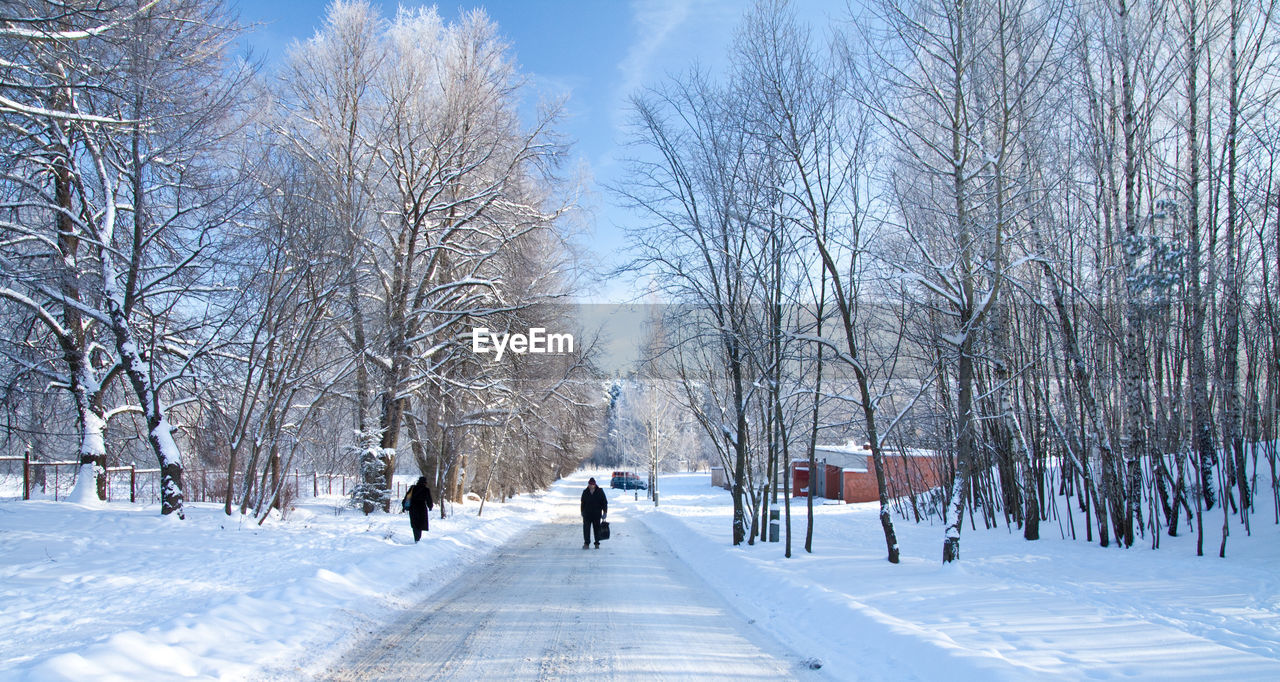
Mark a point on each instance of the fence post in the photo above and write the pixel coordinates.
(133, 484)
(55, 483)
(204, 485)
(315, 484)
(26, 474)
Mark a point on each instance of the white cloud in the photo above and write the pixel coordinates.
(655, 21)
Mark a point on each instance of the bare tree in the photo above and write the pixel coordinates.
(703, 189)
(822, 139)
(45, 50)
(144, 224)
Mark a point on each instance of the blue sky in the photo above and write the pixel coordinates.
(595, 52)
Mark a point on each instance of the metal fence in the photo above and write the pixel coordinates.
(57, 479)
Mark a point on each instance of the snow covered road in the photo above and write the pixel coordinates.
(543, 608)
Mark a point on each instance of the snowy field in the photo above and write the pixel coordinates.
(1010, 609)
(118, 593)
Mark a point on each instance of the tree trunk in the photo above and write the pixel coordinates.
(739, 447)
(1233, 284)
(964, 452)
(1202, 434)
(159, 431)
(1133, 357)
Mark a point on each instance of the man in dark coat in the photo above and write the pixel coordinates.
(595, 506)
(418, 501)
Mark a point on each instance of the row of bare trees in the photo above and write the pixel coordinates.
(266, 271)
(1037, 237)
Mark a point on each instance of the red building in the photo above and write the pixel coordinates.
(846, 473)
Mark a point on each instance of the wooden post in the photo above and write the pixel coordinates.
(26, 474)
(55, 483)
(133, 484)
(204, 485)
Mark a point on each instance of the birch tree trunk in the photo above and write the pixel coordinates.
(1202, 431)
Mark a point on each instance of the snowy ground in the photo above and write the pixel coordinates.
(1010, 610)
(119, 593)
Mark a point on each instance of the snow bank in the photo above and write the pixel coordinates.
(1010, 609)
(117, 592)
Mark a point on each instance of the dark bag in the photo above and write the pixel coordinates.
(604, 530)
(404, 504)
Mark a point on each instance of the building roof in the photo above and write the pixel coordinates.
(849, 457)
(855, 457)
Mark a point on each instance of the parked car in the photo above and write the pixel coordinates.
(627, 480)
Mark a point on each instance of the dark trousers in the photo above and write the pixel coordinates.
(588, 527)
(417, 530)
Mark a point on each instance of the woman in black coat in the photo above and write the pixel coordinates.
(418, 501)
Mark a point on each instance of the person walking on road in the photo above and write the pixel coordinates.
(417, 501)
(595, 506)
